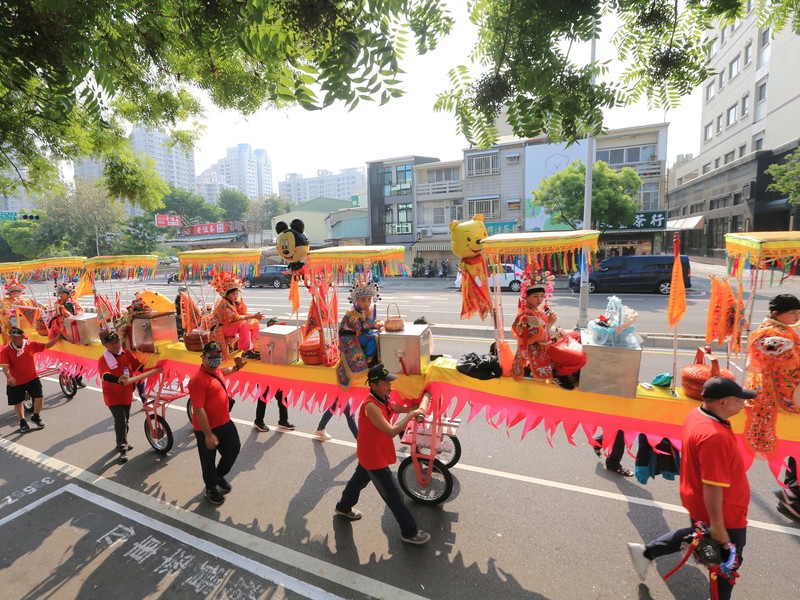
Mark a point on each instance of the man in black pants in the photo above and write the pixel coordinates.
(211, 419)
(261, 409)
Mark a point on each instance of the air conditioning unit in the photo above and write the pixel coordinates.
(426, 232)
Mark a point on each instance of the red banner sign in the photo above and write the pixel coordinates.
(168, 221)
(208, 228)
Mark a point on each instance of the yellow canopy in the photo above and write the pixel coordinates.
(766, 245)
(43, 268)
(124, 266)
(242, 262)
(539, 242)
(390, 258)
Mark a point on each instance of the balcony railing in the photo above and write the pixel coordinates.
(439, 188)
(650, 169)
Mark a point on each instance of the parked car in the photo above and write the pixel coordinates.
(633, 274)
(510, 279)
(276, 276)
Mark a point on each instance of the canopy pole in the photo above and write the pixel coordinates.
(674, 361)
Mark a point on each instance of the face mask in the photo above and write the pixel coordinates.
(214, 362)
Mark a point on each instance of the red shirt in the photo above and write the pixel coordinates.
(710, 455)
(207, 392)
(22, 368)
(114, 393)
(375, 449)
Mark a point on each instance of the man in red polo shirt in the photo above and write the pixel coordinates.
(18, 364)
(211, 419)
(375, 451)
(714, 486)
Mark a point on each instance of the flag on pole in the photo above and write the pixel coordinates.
(676, 307)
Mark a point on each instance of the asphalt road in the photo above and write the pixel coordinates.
(526, 520)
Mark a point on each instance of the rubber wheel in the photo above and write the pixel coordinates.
(162, 440)
(276, 283)
(68, 385)
(247, 283)
(664, 287)
(448, 454)
(27, 404)
(515, 286)
(189, 412)
(439, 488)
(592, 288)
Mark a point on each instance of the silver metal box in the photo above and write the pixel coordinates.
(148, 329)
(82, 329)
(609, 369)
(279, 344)
(412, 344)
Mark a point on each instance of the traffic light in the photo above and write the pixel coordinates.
(29, 217)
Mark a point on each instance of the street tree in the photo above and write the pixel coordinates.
(233, 203)
(74, 75)
(79, 219)
(139, 236)
(192, 209)
(264, 209)
(786, 177)
(614, 201)
(22, 238)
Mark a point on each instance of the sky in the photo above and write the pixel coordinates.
(299, 141)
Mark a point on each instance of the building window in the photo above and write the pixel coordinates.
(719, 123)
(388, 220)
(730, 115)
(742, 150)
(749, 5)
(758, 143)
(709, 91)
(748, 53)
(712, 49)
(730, 156)
(482, 164)
(723, 34)
(707, 132)
(697, 207)
(761, 92)
(649, 197)
(706, 167)
(761, 101)
(764, 38)
(512, 159)
(439, 175)
(745, 104)
(733, 67)
(737, 198)
(404, 218)
(716, 163)
(488, 207)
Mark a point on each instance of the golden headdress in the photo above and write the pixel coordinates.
(14, 285)
(224, 282)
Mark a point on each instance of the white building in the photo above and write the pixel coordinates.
(342, 185)
(246, 170)
(209, 185)
(173, 163)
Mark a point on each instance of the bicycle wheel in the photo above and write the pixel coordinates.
(436, 492)
(68, 385)
(189, 412)
(448, 451)
(160, 436)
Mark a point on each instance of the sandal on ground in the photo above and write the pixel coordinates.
(620, 470)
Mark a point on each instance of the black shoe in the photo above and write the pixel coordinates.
(223, 485)
(123, 455)
(23, 426)
(251, 354)
(260, 425)
(214, 496)
(563, 382)
(38, 420)
(80, 382)
(285, 424)
(124, 448)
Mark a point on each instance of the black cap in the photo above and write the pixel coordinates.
(379, 373)
(784, 303)
(722, 387)
(15, 331)
(211, 347)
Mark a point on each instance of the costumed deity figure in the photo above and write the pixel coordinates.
(293, 245)
(65, 306)
(123, 323)
(465, 242)
(773, 370)
(548, 351)
(231, 317)
(12, 301)
(357, 331)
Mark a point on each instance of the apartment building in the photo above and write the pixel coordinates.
(342, 185)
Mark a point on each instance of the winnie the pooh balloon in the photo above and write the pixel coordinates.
(465, 241)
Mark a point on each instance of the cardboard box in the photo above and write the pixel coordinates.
(610, 370)
(280, 344)
(82, 329)
(149, 328)
(412, 344)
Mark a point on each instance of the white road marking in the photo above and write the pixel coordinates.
(205, 546)
(319, 568)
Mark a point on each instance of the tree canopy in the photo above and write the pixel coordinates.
(233, 204)
(192, 209)
(614, 203)
(786, 177)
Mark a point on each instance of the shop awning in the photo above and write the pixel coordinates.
(434, 246)
(687, 223)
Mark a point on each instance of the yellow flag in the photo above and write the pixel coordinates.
(676, 307)
(84, 287)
